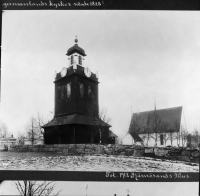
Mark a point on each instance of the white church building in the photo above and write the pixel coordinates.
(156, 128)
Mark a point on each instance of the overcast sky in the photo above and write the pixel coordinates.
(118, 188)
(138, 54)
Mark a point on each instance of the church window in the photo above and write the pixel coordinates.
(161, 139)
(89, 92)
(81, 86)
(68, 90)
(80, 60)
(72, 59)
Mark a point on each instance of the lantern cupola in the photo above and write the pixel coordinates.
(76, 54)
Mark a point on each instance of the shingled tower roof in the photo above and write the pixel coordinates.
(76, 48)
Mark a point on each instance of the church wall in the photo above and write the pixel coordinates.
(151, 142)
(161, 142)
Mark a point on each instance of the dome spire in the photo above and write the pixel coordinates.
(76, 49)
(76, 40)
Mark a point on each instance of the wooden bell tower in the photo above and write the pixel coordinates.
(76, 118)
(76, 87)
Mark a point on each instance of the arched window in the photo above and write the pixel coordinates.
(89, 92)
(68, 90)
(72, 59)
(161, 139)
(80, 60)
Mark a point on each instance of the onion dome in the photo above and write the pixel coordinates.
(76, 48)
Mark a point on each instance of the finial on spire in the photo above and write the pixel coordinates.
(76, 40)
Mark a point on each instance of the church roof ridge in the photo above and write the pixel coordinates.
(164, 109)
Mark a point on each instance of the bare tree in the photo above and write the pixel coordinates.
(172, 137)
(189, 140)
(101, 119)
(183, 136)
(155, 126)
(31, 130)
(196, 137)
(136, 125)
(34, 129)
(40, 122)
(177, 132)
(148, 129)
(21, 139)
(32, 188)
(4, 130)
(165, 129)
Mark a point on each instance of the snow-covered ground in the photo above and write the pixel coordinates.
(39, 161)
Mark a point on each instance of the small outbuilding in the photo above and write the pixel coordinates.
(6, 142)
